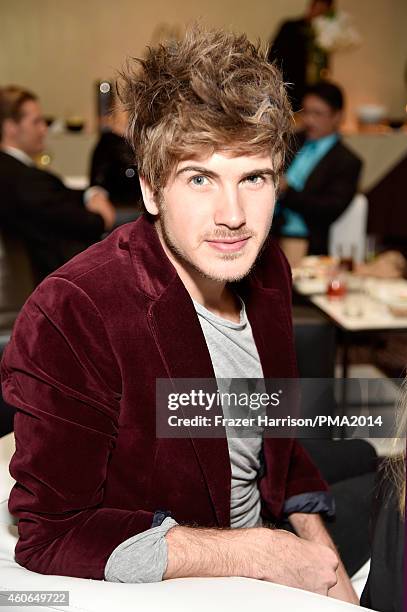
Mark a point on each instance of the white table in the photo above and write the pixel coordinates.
(363, 311)
(375, 315)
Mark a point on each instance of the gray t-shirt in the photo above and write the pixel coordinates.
(143, 557)
(234, 356)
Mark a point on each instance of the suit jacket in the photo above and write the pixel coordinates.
(113, 168)
(51, 220)
(81, 368)
(290, 50)
(328, 191)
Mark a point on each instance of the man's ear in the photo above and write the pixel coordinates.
(148, 196)
(9, 128)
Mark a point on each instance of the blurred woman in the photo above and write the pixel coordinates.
(384, 587)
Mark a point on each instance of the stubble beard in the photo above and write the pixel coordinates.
(186, 261)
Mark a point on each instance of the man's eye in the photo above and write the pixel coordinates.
(254, 179)
(199, 180)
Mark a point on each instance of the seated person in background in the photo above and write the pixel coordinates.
(112, 164)
(53, 221)
(323, 175)
(193, 289)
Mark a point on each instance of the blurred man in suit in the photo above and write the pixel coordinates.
(323, 175)
(53, 221)
(292, 46)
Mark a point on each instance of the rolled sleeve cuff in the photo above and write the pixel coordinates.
(141, 558)
(311, 503)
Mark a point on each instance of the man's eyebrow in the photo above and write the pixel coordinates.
(207, 172)
(199, 169)
(256, 171)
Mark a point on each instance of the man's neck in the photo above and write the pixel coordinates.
(224, 303)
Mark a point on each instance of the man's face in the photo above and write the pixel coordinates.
(319, 118)
(28, 134)
(215, 214)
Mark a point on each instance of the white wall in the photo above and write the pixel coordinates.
(376, 72)
(60, 47)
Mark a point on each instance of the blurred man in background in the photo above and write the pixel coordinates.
(54, 222)
(323, 175)
(292, 47)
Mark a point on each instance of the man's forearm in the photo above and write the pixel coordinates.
(201, 552)
(273, 555)
(311, 527)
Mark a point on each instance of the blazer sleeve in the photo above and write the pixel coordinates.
(303, 475)
(43, 198)
(60, 372)
(289, 480)
(326, 204)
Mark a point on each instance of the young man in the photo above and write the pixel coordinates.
(181, 293)
(53, 221)
(322, 178)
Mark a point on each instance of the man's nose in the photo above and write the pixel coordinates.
(229, 210)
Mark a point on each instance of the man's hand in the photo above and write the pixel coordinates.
(98, 203)
(266, 554)
(311, 528)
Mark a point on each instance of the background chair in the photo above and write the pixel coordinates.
(348, 233)
(16, 284)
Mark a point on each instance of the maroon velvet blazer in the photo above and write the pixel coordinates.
(81, 368)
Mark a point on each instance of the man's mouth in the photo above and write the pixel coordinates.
(229, 244)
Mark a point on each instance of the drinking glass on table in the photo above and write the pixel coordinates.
(337, 286)
(371, 246)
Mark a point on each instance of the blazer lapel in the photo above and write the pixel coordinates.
(179, 337)
(271, 332)
(321, 170)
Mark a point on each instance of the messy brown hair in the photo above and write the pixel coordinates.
(12, 99)
(211, 91)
